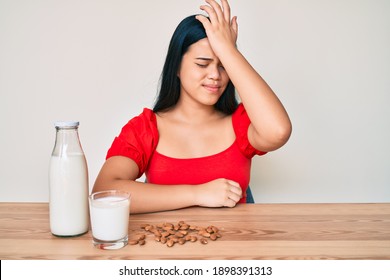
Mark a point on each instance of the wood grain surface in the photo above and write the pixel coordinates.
(251, 231)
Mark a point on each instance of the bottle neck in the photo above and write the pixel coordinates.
(67, 142)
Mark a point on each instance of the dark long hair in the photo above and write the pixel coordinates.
(188, 32)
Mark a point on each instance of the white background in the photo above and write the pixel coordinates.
(281, 269)
(99, 62)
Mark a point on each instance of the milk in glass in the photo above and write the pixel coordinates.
(110, 218)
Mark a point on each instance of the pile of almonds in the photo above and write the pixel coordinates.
(170, 234)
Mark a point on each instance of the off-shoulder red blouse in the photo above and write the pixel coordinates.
(138, 141)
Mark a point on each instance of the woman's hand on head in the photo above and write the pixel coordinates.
(221, 29)
(219, 193)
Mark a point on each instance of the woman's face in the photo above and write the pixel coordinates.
(202, 76)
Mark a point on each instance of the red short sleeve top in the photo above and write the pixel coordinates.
(138, 141)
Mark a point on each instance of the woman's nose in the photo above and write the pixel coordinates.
(214, 73)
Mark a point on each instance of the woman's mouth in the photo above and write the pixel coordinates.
(212, 88)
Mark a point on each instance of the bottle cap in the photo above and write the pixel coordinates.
(66, 124)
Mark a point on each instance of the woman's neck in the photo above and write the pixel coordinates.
(194, 113)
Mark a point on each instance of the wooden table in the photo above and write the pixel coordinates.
(252, 231)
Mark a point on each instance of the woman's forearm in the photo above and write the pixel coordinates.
(270, 123)
(147, 197)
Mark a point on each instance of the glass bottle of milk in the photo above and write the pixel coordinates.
(68, 183)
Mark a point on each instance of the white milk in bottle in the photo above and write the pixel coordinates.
(68, 183)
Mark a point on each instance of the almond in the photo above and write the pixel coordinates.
(170, 243)
(133, 242)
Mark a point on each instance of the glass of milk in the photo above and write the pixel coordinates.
(109, 212)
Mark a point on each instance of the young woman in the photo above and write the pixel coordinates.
(196, 145)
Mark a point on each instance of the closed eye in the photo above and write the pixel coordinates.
(202, 65)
